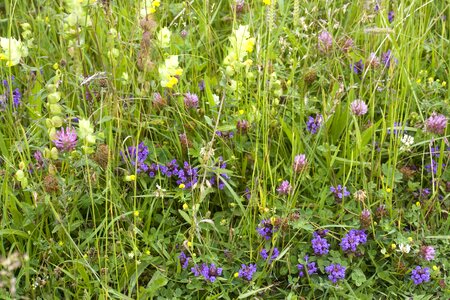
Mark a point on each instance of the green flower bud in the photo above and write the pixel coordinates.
(54, 98)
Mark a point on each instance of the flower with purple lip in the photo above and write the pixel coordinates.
(266, 229)
(187, 176)
(184, 260)
(391, 16)
(265, 254)
(358, 67)
(137, 157)
(246, 272)
(339, 192)
(353, 239)
(314, 124)
(436, 123)
(420, 275)
(66, 139)
(210, 273)
(386, 58)
(319, 243)
(170, 169)
(335, 272)
(220, 181)
(311, 267)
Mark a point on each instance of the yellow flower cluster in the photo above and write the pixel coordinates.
(148, 7)
(241, 46)
(169, 72)
(12, 51)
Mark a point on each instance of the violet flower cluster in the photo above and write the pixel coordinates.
(311, 267)
(220, 181)
(184, 260)
(319, 243)
(335, 272)
(266, 229)
(265, 254)
(353, 239)
(246, 272)
(137, 157)
(313, 124)
(420, 275)
(66, 139)
(339, 191)
(210, 273)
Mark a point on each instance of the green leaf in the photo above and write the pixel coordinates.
(358, 277)
(158, 281)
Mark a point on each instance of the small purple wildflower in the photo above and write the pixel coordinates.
(220, 182)
(365, 218)
(225, 134)
(17, 96)
(210, 273)
(358, 67)
(187, 176)
(325, 42)
(190, 100)
(397, 129)
(66, 139)
(353, 239)
(358, 107)
(319, 244)
(436, 123)
(373, 60)
(266, 229)
(201, 85)
(300, 163)
(170, 169)
(433, 167)
(386, 58)
(422, 193)
(246, 272)
(335, 272)
(242, 126)
(247, 194)
(391, 16)
(265, 254)
(285, 188)
(339, 191)
(311, 267)
(420, 275)
(152, 170)
(184, 260)
(427, 252)
(137, 157)
(313, 124)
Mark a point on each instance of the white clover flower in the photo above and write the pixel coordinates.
(404, 248)
(164, 37)
(12, 51)
(407, 142)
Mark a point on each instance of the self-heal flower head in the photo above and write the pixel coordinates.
(320, 244)
(137, 157)
(436, 123)
(17, 96)
(300, 163)
(314, 124)
(427, 252)
(339, 191)
(386, 58)
(66, 139)
(187, 176)
(358, 107)
(170, 169)
(12, 51)
(220, 182)
(325, 42)
(311, 267)
(285, 188)
(184, 260)
(335, 272)
(391, 16)
(169, 72)
(358, 67)
(163, 37)
(86, 131)
(246, 272)
(210, 273)
(265, 254)
(266, 229)
(353, 239)
(420, 275)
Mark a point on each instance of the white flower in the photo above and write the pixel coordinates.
(164, 37)
(407, 142)
(12, 51)
(404, 248)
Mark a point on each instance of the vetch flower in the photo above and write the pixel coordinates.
(436, 123)
(66, 139)
(246, 272)
(358, 107)
(335, 272)
(420, 275)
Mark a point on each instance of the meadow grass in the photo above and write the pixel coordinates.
(97, 215)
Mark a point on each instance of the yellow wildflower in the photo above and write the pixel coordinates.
(267, 2)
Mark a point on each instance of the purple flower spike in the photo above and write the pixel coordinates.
(266, 229)
(436, 123)
(285, 188)
(352, 240)
(66, 139)
(339, 192)
(314, 124)
(335, 272)
(420, 275)
(246, 272)
(265, 254)
(190, 100)
(325, 43)
(319, 244)
(184, 260)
